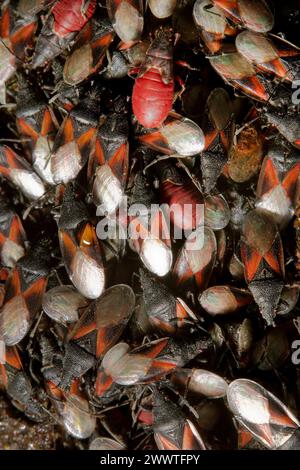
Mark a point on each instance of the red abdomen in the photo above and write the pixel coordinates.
(185, 204)
(152, 99)
(71, 16)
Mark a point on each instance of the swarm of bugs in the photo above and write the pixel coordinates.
(188, 109)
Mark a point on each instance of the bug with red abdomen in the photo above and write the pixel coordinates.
(66, 18)
(153, 91)
(183, 199)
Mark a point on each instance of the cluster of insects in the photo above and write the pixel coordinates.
(190, 110)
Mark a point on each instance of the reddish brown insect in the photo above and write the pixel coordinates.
(127, 18)
(63, 22)
(172, 429)
(24, 291)
(35, 121)
(12, 236)
(80, 247)
(20, 173)
(153, 91)
(183, 199)
(89, 51)
(75, 140)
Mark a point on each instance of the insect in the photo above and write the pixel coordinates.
(104, 320)
(127, 18)
(147, 363)
(255, 15)
(172, 429)
(199, 383)
(12, 236)
(75, 140)
(89, 51)
(64, 21)
(196, 260)
(262, 255)
(108, 165)
(24, 291)
(148, 231)
(17, 30)
(166, 313)
(183, 199)
(263, 415)
(17, 385)
(153, 91)
(80, 247)
(177, 135)
(63, 304)
(17, 170)
(73, 410)
(212, 23)
(162, 9)
(36, 122)
(222, 300)
(278, 184)
(218, 128)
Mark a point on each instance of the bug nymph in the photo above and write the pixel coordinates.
(153, 91)
(63, 22)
